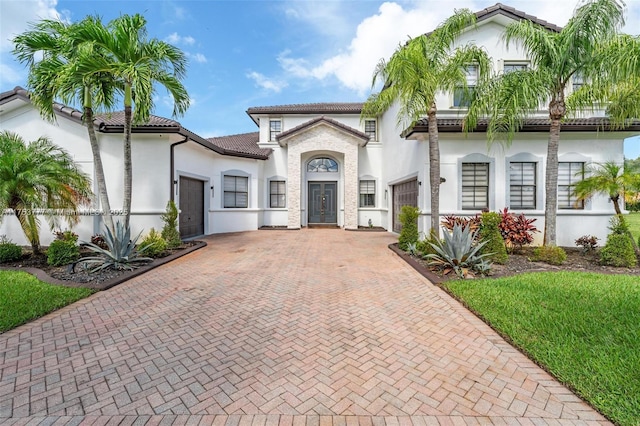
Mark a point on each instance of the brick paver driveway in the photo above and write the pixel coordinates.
(302, 328)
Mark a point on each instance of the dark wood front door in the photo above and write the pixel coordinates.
(323, 205)
(404, 194)
(191, 207)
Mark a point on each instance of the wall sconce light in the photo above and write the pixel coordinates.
(419, 183)
(175, 184)
(212, 191)
(442, 180)
(386, 191)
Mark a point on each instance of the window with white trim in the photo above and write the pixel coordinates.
(371, 129)
(461, 97)
(522, 185)
(236, 191)
(277, 194)
(569, 174)
(475, 186)
(514, 66)
(275, 127)
(367, 193)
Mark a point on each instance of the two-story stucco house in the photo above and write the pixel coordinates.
(321, 164)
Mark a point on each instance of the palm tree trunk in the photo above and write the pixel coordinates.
(128, 169)
(434, 170)
(551, 184)
(29, 225)
(99, 171)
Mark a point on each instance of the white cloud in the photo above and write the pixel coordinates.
(175, 38)
(377, 36)
(267, 83)
(327, 18)
(15, 15)
(198, 57)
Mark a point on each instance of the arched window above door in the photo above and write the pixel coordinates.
(322, 165)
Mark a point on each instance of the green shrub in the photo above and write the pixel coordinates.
(153, 244)
(618, 225)
(409, 220)
(425, 247)
(9, 251)
(66, 235)
(618, 251)
(490, 233)
(170, 231)
(552, 255)
(62, 252)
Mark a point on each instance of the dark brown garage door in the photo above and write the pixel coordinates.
(191, 207)
(404, 194)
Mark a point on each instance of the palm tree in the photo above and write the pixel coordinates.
(613, 180)
(136, 63)
(556, 57)
(39, 176)
(62, 73)
(416, 73)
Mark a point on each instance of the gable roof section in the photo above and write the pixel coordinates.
(244, 143)
(114, 123)
(513, 13)
(323, 120)
(454, 125)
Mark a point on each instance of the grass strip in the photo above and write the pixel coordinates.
(583, 327)
(24, 298)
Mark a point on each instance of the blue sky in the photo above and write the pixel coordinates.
(265, 52)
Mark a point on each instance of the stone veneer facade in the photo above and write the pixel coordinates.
(326, 139)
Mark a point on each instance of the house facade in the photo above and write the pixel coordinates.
(322, 164)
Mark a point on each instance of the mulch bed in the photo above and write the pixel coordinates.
(521, 262)
(81, 277)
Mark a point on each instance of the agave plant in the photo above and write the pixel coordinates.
(121, 252)
(457, 253)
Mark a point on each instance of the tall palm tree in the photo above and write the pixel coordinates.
(613, 180)
(136, 63)
(556, 57)
(61, 73)
(416, 73)
(39, 177)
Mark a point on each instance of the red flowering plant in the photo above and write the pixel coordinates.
(517, 230)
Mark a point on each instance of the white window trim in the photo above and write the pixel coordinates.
(478, 158)
(375, 194)
(268, 192)
(269, 128)
(525, 157)
(376, 137)
(235, 173)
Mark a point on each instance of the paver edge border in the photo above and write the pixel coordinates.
(415, 264)
(105, 285)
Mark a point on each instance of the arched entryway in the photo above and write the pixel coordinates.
(323, 178)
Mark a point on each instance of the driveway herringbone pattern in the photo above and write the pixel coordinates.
(301, 328)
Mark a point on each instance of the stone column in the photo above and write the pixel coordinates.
(293, 187)
(351, 187)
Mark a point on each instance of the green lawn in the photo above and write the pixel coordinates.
(24, 298)
(584, 327)
(634, 223)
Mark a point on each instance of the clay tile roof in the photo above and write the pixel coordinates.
(591, 124)
(314, 108)
(117, 119)
(511, 12)
(245, 143)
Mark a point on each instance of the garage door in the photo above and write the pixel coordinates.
(191, 207)
(404, 194)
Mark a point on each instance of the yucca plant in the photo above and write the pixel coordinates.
(121, 252)
(457, 253)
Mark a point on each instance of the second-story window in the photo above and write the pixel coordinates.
(275, 127)
(461, 97)
(371, 129)
(577, 81)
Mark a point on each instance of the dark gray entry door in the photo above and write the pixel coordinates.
(191, 207)
(323, 206)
